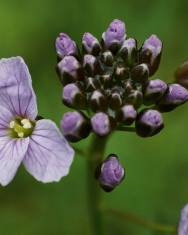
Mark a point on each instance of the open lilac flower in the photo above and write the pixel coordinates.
(37, 143)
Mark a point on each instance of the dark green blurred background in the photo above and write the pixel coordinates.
(156, 185)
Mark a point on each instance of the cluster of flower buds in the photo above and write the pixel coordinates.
(107, 84)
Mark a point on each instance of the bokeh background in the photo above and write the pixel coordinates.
(156, 184)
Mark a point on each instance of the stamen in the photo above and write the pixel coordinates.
(20, 134)
(12, 124)
(26, 124)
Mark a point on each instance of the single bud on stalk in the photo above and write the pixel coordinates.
(181, 74)
(101, 124)
(127, 114)
(154, 91)
(75, 126)
(114, 35)
(65, 46)
(128, 51)
(90, 44)
(183, 222)
(69, 70)
(140, 73)
(73, 96)
(149, 122)
(107, 58)
(151, 53)
(98, 101)
(110, 173)
(175, 96)
(115, 100)
(92, 84)
(91, 65)
(135, 98)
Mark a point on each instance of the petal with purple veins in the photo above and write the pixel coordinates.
(16, 92)
(49, 155)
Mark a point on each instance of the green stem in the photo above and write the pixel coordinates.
(95, 156)
(141, 221)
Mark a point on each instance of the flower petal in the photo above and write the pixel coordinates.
(12, 152)
(5, 118)
(16, 92)
(49, 155)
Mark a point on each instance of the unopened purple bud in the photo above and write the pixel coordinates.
(140, 73)
(175, 96)
(73, 96)
(135, 98)
(148, 123)
(107, 58)
(181, 74)
(75, 126)
(151, 53)
(128, 51)
(90, 44)
(65, 46)
(114, 35)
(110, 173)
(183, 223)
(101, 124)
(127, 114)
(91, 65)
(69, 69)
(98, 101)
(115, 100)
(154, 91)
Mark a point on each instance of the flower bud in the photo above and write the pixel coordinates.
(91, 65)
(110, 173)
(149, 122)
(92, 84)
(127, 114)
(69, 70)
(98, 101)
(121, 73)
(90, 44)
(107, 58)
(181, 74)
(128, 86)
(73, 96)
(115, 101)
(75, 126)
(106, 80)
(128, 51)
(135, 98)
(101, 124)
(175, 96)
(183, 223)
(114, 36)
(140, 73)
(154, 91)
(151, 53)
(65, 46)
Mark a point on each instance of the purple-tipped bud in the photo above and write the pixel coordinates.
(127, 114)
(91, 65)
(114, 35)
(92, 84)
(75, 126)
(135, 98)
(181, 74)
(90, 44)
(73, 96)
(65, 46)
(128, 51)
(151, 53)
(98, 101)
(175, 96)
(183, 223)
(140, 73)
(110, 173)
(69, 70)
(115, 101)
(101, 124)
(107, 58)
(154, 91)
(148, 123)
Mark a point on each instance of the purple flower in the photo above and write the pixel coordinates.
(175, 96)
(65, 46)
(75, 126)
(127, 114)
(100, 123)
(90, 44)
(149, 122)
(39, 145)
(110, 173)
(115, 34)
(183, 223)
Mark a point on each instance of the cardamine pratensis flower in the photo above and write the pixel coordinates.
(109, 84)
(38, 144)
(110, 173)
(183, 223)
